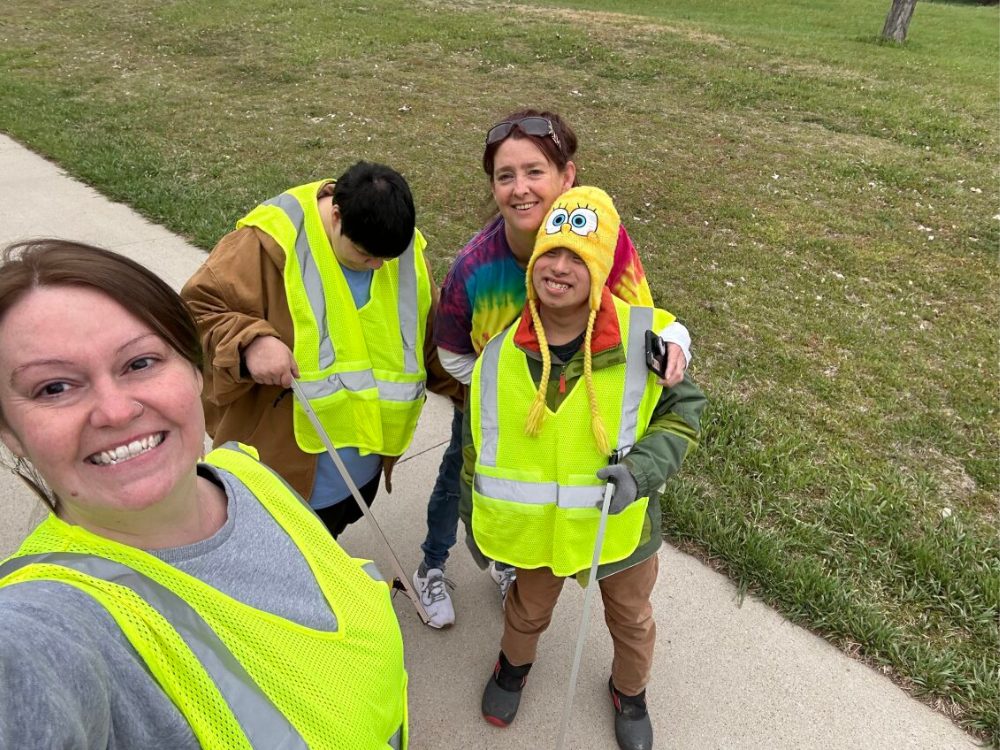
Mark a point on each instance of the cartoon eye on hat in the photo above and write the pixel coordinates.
(582, 221)
(557, 218)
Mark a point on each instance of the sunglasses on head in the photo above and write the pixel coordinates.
(537, 126)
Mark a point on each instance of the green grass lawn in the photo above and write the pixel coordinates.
(820, 209)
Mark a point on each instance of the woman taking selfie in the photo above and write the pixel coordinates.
(165, 602)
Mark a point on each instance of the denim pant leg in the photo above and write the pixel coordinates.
(442, 508)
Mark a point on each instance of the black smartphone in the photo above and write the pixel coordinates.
(656, 354)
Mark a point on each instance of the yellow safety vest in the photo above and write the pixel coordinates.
(362, 369)
(242, 677)
(536, 500)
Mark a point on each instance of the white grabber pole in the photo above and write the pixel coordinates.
(401, 582)
(588, 597)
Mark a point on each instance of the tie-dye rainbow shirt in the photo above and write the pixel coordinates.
(484, 290)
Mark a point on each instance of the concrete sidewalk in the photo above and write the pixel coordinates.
(725, 676)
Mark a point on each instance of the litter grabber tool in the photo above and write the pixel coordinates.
(400, 581)
(588, 598)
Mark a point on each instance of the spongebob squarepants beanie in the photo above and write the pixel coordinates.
(584, 221)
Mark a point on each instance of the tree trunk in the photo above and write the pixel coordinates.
(898, 20)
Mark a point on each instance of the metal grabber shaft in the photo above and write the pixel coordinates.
(400, 574)
(588, 597)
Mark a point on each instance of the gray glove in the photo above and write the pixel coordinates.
(626, 489)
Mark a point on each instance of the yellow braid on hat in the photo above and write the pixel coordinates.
(537, 413)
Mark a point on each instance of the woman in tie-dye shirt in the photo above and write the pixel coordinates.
(528, 160)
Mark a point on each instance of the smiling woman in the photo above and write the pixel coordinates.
(140, 613)
(47, 277)
(108, 412)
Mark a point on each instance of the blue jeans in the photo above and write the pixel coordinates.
(442, 508)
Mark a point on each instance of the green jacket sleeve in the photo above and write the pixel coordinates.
(673, 431)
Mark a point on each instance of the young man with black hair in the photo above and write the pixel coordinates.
(326, 283)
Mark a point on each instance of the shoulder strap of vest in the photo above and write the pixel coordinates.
(243, 461)
(293, 214)
(406, 305)
(486, 380)
(640, 319)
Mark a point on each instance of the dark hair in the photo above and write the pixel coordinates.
(559, 155)
(376, 209)
(52, 262)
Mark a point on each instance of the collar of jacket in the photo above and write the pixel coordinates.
(607, 335)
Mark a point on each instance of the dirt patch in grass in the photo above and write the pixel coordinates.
(614, 26)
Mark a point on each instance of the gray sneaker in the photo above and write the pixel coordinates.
(432, 588)
(504, 577)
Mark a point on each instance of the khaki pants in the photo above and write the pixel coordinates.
(627, 612)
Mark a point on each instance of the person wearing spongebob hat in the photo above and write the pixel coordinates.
(561, 403)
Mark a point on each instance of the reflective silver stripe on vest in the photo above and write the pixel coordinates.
(362, 380)
(264, 725)
(373, 572)
(396, 741)
(311, 279)
(640, 320)
(541, 493)
(406, 307)
(489, 416)
(359, 380)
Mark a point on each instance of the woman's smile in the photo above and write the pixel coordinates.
(127, 451)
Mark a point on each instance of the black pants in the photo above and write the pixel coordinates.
(339, 516)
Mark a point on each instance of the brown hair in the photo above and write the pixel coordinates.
(52, 262)
(559, 155)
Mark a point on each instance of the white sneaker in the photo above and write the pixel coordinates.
(503, 577)
(432, 589)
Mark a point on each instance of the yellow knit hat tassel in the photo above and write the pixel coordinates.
(596, 423)
(537, 412)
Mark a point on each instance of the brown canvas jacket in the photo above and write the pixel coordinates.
(237, 295)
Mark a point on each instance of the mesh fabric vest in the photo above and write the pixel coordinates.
(541, 512)
(362, 369)
(339, 690)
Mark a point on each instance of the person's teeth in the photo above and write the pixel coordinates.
(125, 452)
